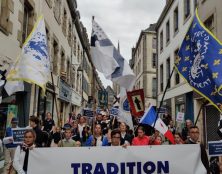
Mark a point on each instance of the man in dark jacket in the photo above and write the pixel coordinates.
(193, 139)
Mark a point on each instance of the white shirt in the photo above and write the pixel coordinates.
(19, 160)
(81, 129)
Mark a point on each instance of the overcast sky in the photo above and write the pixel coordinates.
(121, 20)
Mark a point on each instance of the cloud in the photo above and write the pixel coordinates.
(122, 20)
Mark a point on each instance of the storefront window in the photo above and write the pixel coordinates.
(49, 102)
(45, 104)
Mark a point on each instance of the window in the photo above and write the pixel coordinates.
(55, 57)
(209, 24)
(186, 8)
(168, 71)
(161, 77)
(176, 20)
(74, 45)
(64, 22)
(154, 43)
(26, 21)
(48, 37)
(78, 54)
(154, 87)
(177, 76)
(68, 71)
(62, 69)
(167, 31)
(85, 85)
(70, 33)
(57, 10)
(154, 60)
(161, 41)
(195, 4)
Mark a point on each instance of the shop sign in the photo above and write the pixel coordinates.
(215, 148)
(65, 91)
(180, 99)
(76, 98)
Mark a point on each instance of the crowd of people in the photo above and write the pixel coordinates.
(79, 131)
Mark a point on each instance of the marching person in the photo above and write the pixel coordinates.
(125, 137)
(193, 139)
(97, 139)
(115, 139)
(20, 162)
(178, 138)
(141, 138)
(41, 139)
(48, 123)
(185, 130)
(67, 141)
(9, 148)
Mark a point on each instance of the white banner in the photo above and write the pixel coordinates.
(164, 159)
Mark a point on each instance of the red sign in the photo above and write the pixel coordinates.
(136, 101)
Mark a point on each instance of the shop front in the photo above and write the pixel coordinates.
(76, 102)
(16, 105)
(65, 95)
(46, 103)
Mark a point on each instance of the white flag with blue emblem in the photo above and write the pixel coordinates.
(108, 60)
(33, 65)
(124, 109)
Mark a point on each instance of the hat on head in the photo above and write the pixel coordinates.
(14, 120)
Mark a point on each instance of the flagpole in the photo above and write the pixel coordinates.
(161, 103)
(57, 112)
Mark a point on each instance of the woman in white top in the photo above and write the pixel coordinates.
(20, 162)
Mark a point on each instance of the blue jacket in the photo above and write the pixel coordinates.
(89, 141)
(9, 134)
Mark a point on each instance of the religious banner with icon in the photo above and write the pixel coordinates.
(136, 101)
(103, 98)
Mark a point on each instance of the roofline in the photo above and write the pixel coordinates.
(163, 14)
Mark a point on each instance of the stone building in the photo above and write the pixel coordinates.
(72, 79)
(143, 63)
(171, 28)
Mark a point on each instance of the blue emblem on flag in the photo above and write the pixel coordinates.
(199, 61)
(37, 46)
(126, 106)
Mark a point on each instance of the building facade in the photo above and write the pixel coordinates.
(210, 14)
(171, 29)
(71, 82)
(143, 63)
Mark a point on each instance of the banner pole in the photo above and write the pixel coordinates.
(161, 103)
(57, 112)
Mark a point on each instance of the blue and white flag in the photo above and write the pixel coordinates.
(33, 65)
(199, 62)
(108, 60)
